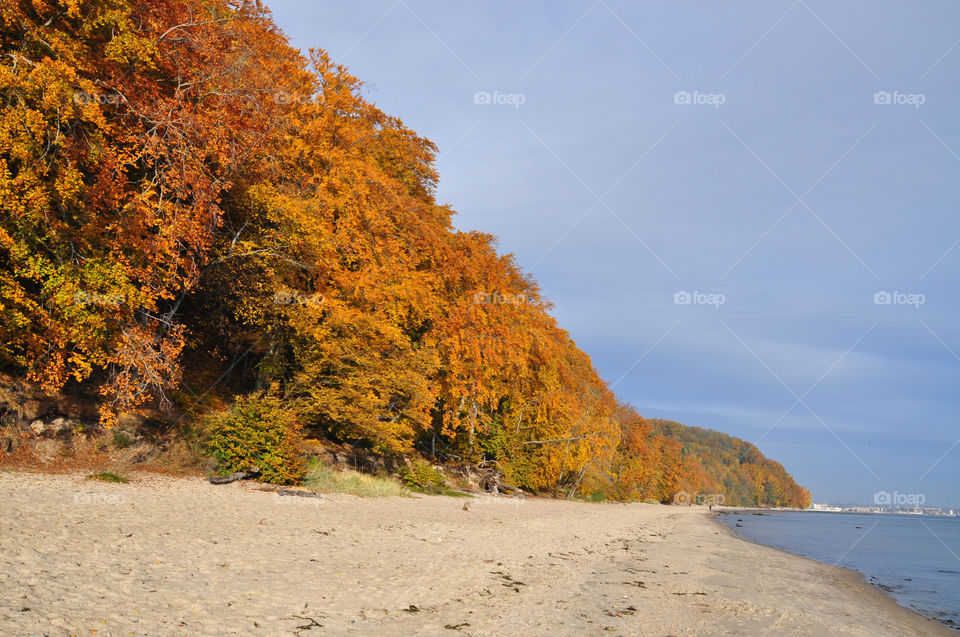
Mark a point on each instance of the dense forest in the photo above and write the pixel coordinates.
(198, 220)
(735, 467)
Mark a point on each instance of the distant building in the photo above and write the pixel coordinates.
(893, 510)
(818, 506)
(861, 509)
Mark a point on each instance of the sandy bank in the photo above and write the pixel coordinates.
(179, 556)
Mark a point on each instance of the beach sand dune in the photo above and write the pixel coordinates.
(168, 556)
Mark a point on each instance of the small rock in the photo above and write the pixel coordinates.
(62, 425)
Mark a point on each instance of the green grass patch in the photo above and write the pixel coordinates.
(108, 476)
(326, 479)
(423, 477)
(447, 491)
(122, 439)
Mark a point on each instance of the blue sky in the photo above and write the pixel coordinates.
(787, 161)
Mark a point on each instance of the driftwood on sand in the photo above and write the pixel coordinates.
(233, 477)
(492, 479)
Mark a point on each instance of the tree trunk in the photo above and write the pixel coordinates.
(576, 484)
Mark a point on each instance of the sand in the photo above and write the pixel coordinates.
(175, 556)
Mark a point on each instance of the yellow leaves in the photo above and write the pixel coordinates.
(72, 7)
(100, 162)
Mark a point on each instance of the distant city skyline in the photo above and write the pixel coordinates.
(745, 215)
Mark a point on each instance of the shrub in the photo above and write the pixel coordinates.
(597, 495)
(422, 475)
(258, 431)
(108, 476)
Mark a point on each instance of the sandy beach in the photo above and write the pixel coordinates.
(163, 556)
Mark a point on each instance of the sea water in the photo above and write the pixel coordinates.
(915, 558)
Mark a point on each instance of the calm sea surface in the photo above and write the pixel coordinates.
(916, 558)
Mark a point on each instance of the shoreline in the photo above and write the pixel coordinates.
(849, 576)
(164, 554)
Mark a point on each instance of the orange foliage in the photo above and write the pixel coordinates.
(179, 185)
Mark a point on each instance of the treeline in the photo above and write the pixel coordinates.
(192, 209)
(736, 467)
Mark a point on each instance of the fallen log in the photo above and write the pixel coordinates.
(233, 477)
(507, 488)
